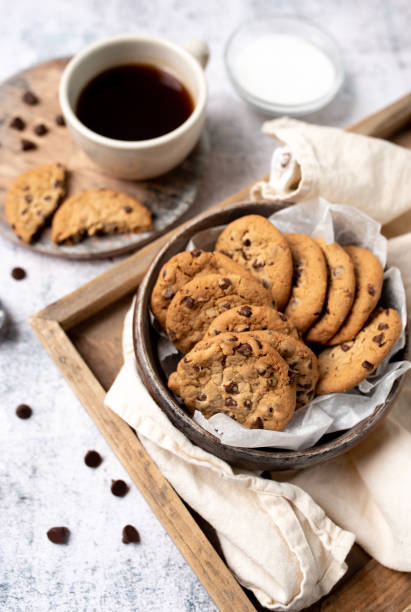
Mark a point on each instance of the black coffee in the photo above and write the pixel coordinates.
(134, 102)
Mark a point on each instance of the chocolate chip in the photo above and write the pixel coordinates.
(202, 397)
(27, 145)
(230, 401)
(223, 361)
(371, 289)
(379, 339)
(291, 377)
(247, 404)
(244, 349)
(226, 306)
(382, 326)
(60, 120)
(345, 347)
(28, 198)
(168, 293)
(367, 365)
(224, 283)
(216, 332)
(130, 535)
(188, 301)
(30, 98)
(93, 459)
(226, 253)
(232, 387)
(247, 242)
(257, 264)
(24, 211)
(244, 255)
(172, 335)
(119, 488)
(306, 386)
(265, 284)
(127, 209)
(196, 253)
(245, 311)
(40, 129)
(58, 535)
(18, 273)
(24, 411)
(17, 124)
(58, 183)
(257, 424)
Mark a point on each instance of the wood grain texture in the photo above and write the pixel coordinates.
(92, 317)
(168, 197)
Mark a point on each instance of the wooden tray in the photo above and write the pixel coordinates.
(82, 333)
(168, 197)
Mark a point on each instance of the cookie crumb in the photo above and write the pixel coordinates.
(119, 488)
(58, 535)
(93, 459)
(30, 98)
(18, 273)
(17, 124)
(130, 535)
(23, 411)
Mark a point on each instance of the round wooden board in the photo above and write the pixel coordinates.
(168, 197)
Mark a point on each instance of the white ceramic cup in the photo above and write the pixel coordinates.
(140, 159)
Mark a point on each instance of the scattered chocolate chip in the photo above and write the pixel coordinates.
(226, 253)
(27, 145)
(188, 301)
(371, 289)
(367, 365)
(58, 535)
(168, 293)
(130, 535)
(196, 253)
(382, 326)
(223, 361)
(291, 377)
(306, 386)
(247, 242)
(244, 349)
(93, 459)
(28, 198)
(224, 283)
(230, 401)
(232, 387)
(127, 209)
(60, 120)
(216, 332)
(202, 397)
(345, 347)
(258, 424)
(119, 488)
(18, 273)
(247, 404)
(265, 283)
(245, 311)
(17, 124)
(379, 339)
(30, 98)
(232, 339)
(257, 264)
(40, 129)
(24, 211)
(58, 183)
(226, 306)
(24, 411)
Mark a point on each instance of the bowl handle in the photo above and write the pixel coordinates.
(198, 49)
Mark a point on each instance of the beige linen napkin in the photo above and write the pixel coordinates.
(276, 540)
(343, 168)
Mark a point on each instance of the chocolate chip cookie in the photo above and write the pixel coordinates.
(309, 281)
(369, 278)
(340, 293)
(33, 197)
(300, 359)
(237, 375)
(99, 211)
(344, 366)
(248, 318)
(182, 268)
(255, 243)
(202, 299)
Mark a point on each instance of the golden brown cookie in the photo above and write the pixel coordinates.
(369, 278)
(32, 198)
(309, 281)
(99, 211)
(194, 306)
(340, 293)
(255, 243)
(347, 364)
(249, 317)
(239, 376)
(182, 268)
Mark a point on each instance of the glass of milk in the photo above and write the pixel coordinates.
(284, 65)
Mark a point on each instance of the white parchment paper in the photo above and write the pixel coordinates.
(336, 411)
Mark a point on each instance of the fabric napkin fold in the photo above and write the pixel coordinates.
(275, 535)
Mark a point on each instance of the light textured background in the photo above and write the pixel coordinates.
(44, 481)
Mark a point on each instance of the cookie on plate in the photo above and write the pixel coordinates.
(344, 366)
(369, 278)
(99, 211)
(194, 306)
(256, 244)
(300, 359)
(33, 197)
(250, 317)
(340, 293)
(182, 268)
(237, 375)
(309, 281)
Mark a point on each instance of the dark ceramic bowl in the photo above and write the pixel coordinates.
(155, 378)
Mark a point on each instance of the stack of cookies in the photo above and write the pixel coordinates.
(253, 318)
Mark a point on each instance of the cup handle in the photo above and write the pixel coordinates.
(199, 50)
